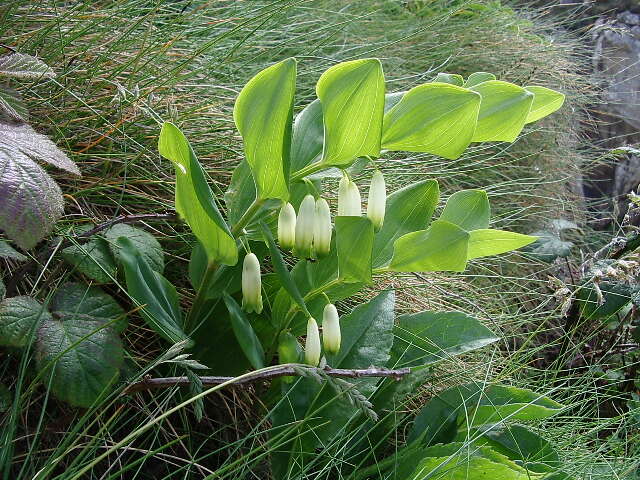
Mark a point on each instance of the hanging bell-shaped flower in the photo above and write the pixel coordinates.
(305, 226)
(331, 329)
(349, 202)
(312, 345)
(377, 200)
(287, 226)
(251, 284)
(322, 229)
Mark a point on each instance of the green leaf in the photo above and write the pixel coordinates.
(545, 102)
(478, 77)
(429, 337)
(281, 269)
(145, 243)
(503, 111)
(471, 405)
(308, 136)
(408, 209)
(352, 97)
(11, 105)
(19, 320)
(263, 114)
(435, 118)
(244, 333)
(3, 290)
(7, 251)
(450, 78)
(83, 352)
(89, 303)
(616, 295)
(548, 246)
(21, 65)
(487, 242)
(354, 244)
(194, 200)
(441, 247)
(468, 209)
(93, 259)
(161, 306)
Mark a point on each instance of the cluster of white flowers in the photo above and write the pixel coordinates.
(309, 235)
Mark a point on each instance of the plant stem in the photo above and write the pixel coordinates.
(308, 170)
(247, 216)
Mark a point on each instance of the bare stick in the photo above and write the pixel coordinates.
(128, 219)
(284, 371)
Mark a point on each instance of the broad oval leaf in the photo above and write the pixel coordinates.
(478, 77)
(487, 242)
(441, 247)
(354, 244)
(545, 102)
(19, 320)
(84, 354)
(194, 200)
(158, 298)
(408, 210)
(503, 111)
(145, 243)
(468, 209)
(435, 118)
(244, 333)
(308, 136)
(450, 78)
(93, 259)
(21, 65)
(352, 98)
(8, 252)
(263, 114)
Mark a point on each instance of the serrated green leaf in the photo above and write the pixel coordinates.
(408, 209)
(244, 333)
(75, 300)
(478, 77)
(435, 118)
(468, 209)
(441, 247)
(487, 242)
(145, 243)
(263, 114)
(19, 320)
(12, 106)
(161, 306)
(21, 65)
(354, 244)
(352, 95)
(545, 102)
(194, 200)
(7, 251)
(429, 337)
(93, 259)
(84, 357)
(503, 111)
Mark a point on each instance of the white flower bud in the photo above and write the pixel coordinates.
(251, 284)
(377, 200)
(287, 226)
(322, 228)
(331, 329)
(305, 226)
(349, 202)
(312, 345)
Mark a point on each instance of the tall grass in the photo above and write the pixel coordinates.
(124, 65)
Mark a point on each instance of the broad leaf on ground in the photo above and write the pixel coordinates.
(12, 106)
(145, 243)
(93, 259)
(19, 320)
(21, 65)
(7, 251)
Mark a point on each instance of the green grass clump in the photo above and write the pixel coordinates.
(125, 65)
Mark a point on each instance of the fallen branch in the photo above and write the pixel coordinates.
(127, 219)
(284, 371)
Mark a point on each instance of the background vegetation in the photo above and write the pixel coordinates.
(124, 65)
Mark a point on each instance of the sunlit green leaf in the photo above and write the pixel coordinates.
(468, 209)
(263, 113)
(354, 243)
(441, 247)
(487, 242)
(478, 77)
(503, 111)
(194, 199)
(352, 97)
(435, 118)
(545, 102)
